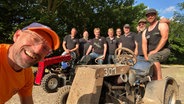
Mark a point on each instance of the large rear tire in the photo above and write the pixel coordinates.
(50, 83)
(63, 94)
(170, 95)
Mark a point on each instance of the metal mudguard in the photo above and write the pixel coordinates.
(154, 93)
(87, 84)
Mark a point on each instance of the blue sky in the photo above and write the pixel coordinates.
(165, 8)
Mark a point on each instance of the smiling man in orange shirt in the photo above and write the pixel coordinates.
(31, 44)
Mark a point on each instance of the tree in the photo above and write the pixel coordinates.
(62, 15)
(176, 38)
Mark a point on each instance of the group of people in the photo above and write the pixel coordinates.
(34, 42)
(149, 43)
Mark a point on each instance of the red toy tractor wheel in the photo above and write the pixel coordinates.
(63, 94)
(50, 82)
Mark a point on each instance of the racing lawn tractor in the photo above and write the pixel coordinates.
(55, 72)
(127, 82)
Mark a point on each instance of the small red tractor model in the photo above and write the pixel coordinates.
(51, 74)
(127, 82)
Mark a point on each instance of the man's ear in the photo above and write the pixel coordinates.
(16, 35)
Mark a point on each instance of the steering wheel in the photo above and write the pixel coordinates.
(125, 56)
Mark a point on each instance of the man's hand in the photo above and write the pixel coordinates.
(103, 57)
(152, 52)
(67, 51)
(146, 58)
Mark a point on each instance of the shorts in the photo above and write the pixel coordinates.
(160, 56)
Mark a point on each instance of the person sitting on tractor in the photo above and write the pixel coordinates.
(70, 45)
(154, 42)
(142, 23)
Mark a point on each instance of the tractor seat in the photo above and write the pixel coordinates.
(143, 68)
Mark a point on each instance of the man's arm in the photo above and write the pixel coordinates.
(120, 45)
(164, 20)
(89, 50)
(26, 100)
(136, 48)
(164, 31)
(144, 45)
(64, 47)
(74, 49)
(105, 50)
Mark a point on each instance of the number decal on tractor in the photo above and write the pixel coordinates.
(109, 71)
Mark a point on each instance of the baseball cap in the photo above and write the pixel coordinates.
(151, 11)
(126, 25)
(142, 20)
(41, 29)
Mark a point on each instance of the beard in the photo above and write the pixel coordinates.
(24, 64)
(142, 29)
(23, 60)
(152, 20)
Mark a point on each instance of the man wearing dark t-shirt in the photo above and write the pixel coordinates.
(112, 45)
(84, 43)
(128, 39)
(138, 38)
(99, 46)
(70, 42)
(70, 46)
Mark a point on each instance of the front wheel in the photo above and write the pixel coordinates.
(50, 83)
(63, 94)
(170, 95)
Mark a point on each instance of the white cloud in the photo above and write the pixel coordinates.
(167, 12)
(169, 9)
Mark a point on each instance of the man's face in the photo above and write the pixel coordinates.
(73, 32)
(97, 33)
(151, 17)
(142, 26)
(118, 32)
(85, 34)
(29, 48)
(110, 33)
(126, 30)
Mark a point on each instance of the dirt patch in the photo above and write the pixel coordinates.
(41, 97)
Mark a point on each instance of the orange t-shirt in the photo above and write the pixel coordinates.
(12, 82)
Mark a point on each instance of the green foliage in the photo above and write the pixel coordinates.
(176, 39)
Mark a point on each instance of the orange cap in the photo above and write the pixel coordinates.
(53, 35)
